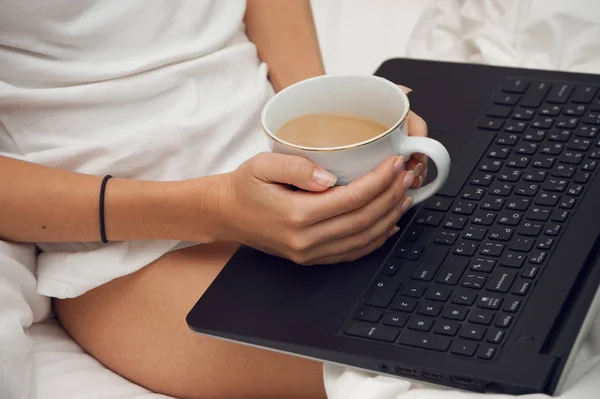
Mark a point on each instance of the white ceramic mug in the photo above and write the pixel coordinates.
(368, 96)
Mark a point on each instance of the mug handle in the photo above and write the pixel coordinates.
(438, 154)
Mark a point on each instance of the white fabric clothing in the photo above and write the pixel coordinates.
(142, 89)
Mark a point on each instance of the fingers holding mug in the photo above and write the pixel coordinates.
(417, 127)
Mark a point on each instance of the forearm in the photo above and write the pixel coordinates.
(285, 36)
(41, 204)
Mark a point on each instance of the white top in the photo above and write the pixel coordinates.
(152, 89)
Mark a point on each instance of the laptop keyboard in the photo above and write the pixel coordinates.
(466, 264)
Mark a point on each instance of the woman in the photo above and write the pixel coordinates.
(165, 95)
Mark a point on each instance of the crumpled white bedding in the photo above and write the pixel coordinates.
(355, 38)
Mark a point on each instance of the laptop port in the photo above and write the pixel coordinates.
(432, 375)
(462, 380)
(405, 371)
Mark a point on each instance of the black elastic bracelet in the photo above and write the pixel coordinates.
(102, 225)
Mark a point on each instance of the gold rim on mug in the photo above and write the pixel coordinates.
(344, 147)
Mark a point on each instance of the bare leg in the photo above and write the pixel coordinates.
(136, 326)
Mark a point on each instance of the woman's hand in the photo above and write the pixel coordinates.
(418, 162)
(318, 224)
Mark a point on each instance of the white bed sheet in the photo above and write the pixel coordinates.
(355, 37)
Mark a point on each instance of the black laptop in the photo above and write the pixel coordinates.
(489, 286)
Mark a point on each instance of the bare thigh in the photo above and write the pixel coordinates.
(135, 325)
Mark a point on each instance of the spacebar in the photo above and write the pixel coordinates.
(462, 166)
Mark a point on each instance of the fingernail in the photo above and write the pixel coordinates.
(405, 89)
(398, 164)
(419, 169)
(421, 179)
(406, 204)
(323, 178)
(408, 179)
(393, 231)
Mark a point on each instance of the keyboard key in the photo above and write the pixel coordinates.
(474, 280)
(403, 250)
(464, 348)
(530, 271)
(473, 332)
(535, 95)
(414, 290)
(391, 268)
(483, 218)
(429, 308)
(455, 222)
(509, 175)
(534, 135)
(404, 304)
(370, 314)
(594, 154)
(522, 244)
(560, 93)
(542, 122)
(512, 259)
(425, 271)
(501, 233)
(395, 319)
(552, 148)
(473, 193)
(430, 218)
(439, 293)
(464, 207)
(495, 335)
(545, 243)
(501, 280)
(474, 233)
(592, 118)
(438, 204)
(446, 237)
(452, 270)
(483, 317)
(532, 229)
(527, 189)
(587, 131)
(563, 171)
(515, 126)
(511, 306)
(567, 203)
(491, 203)
(504, 320)
(552, 229)
(378, 333)
(518, 204)
(579, 144)
(507, 99)
(412, 234)
(567, 122)
(543, 161)
(595, 105)
(454, 312)
(482, 179)
(491, 249)
(466, 248)
(575, 189)
(425, 341)
(521, 287)
(486, 352)
(589, 165)
(490, 124)
(524, 114)
(515, 85)
(526, 148)
(381, 293)
(446, 327)
(501, 189)
(490, 165)
(464, 297)
(538, 213)
(509, 218)
(507, 139)
(584, 94)
(498, 111)
(556, 184)
(582, 177)
(550, 110)
(517, 161)
(489, 302)
(419, 323)
(560, 136)
(537, 257)
(548, 199)
(498, 152)
(575, 109)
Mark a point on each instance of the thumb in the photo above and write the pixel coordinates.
(294, 170)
